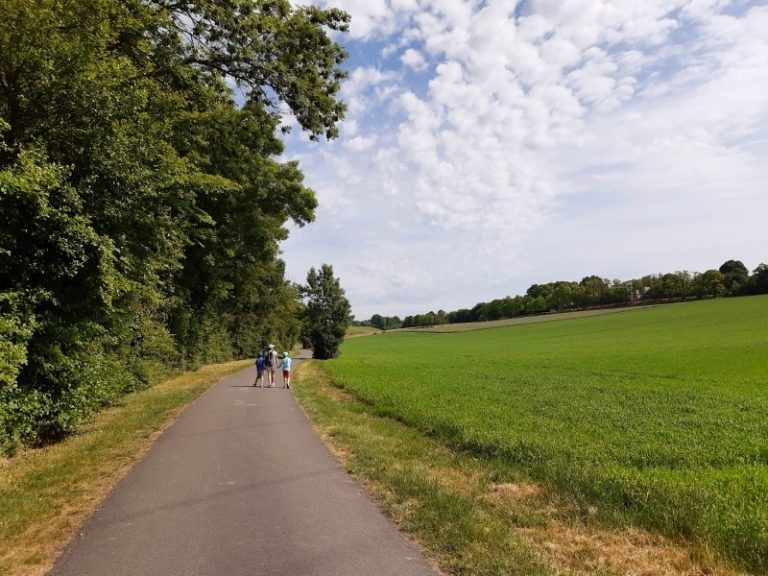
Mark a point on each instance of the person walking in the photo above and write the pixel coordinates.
(285, 364)
(271, 365)
(260, 367)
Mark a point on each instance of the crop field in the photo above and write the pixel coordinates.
(655, 416)
(471, 326)
(354, 331)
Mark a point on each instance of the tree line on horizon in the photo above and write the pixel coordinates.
(731, 279)
(142, 193)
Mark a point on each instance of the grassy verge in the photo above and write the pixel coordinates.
(480, 515)
(45, 494)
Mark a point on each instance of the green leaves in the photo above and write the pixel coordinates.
(327, 314)
(46, 243)
(273, 51)
(140, 207)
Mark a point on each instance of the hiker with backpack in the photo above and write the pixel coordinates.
(270, 363)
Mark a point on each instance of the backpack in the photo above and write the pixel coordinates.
(271, 358)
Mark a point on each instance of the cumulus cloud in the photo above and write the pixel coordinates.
(360, 143)
(542, 122)
(414, 59)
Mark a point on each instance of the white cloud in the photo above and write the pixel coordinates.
(363, 89)
(360, 143)
(537, 140)
(414, 59)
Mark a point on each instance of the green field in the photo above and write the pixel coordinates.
(656, 416)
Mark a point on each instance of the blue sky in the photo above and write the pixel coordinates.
(492, 145)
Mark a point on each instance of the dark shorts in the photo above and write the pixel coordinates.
(286, 373)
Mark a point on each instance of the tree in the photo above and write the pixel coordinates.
(710, 283)
(594, 290)
(327, 314)
(141, 203)
(758, 282)
(735, 276)
(676, 284)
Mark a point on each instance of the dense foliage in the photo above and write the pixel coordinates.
(653, 415)
(327, 314)
(731, 279)
(384, 322)
(141, 205)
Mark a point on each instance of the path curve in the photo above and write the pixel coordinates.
(239, 485)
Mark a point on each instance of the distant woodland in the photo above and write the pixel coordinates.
(731, 279)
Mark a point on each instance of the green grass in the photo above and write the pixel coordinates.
(655, 416)
(432, 493)
(45, 494)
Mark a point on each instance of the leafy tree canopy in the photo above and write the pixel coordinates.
(327, 314)
(141, 203)
(735, 275)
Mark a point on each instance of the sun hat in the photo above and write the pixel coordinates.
(271, 345)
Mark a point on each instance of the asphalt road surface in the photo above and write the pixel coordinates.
(240, 485)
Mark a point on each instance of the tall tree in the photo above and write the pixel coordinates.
(758, 282)
(327, 314)
(709, 283)
(735, 276)
(158, 201)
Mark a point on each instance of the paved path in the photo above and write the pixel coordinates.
(239, 486)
